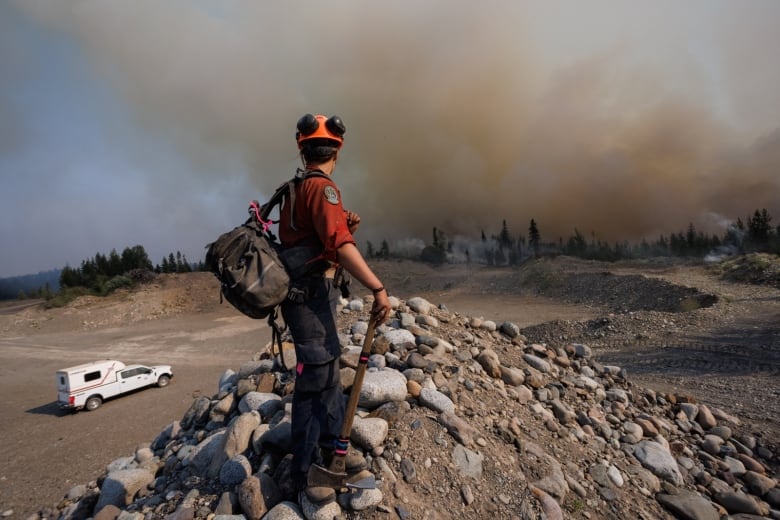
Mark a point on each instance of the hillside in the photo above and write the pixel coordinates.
(644, 390)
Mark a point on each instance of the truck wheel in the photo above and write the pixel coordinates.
(93, 403)
(163, 381)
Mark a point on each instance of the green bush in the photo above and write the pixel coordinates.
(65, 296)
(108, 286)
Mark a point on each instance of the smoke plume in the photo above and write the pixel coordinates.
(459, 115)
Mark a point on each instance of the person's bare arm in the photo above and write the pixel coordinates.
(350, 258)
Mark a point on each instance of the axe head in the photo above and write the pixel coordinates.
(321, 477)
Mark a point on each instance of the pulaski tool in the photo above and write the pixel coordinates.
(335, 476)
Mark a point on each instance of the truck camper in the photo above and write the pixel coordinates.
(88, 385)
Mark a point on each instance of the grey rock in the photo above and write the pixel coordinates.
(510, 329)
(538, 363)
(257, 494)
(277, 439)
(235, 471)
(312, 512)
(488, 325)
(236, 440)
(461, 430)
(436, 401)
(121, 463)
(120, 487)
(408, 471)
(735, 466)
(407, 320)
(415, 360)
(490, 362)
(468, 462)
(579, 350)
(690, 410)
(398, 337)
(724, 432)
(705, 417)
(736, 502)
(512, 376)
(197, 413)
(284, 511)
(359, 327)
(377, 361)
(382, 386)
(76, 492)
(369, 433)
(363, 499)
(773, 497)
(250, 368)
(171, 431)
(711, 444)
(563, 413)
(200, 456)
(419, 305)
(659, 460)
(598, 473)
(414, 374)
(266, 404)
(428, 321)
(467, 494)
(227, 503)
(615, 476)
(617, 394)
(355, 305)
(688, 506)
(759, 484)
(227, 378)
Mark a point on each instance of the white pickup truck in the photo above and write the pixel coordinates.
(88, 385)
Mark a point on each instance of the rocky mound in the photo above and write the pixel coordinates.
(459, 418)
(756, 268)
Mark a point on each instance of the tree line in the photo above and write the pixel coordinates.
(754, 234)
(99, 275)
(104, 273)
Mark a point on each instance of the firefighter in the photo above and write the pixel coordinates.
(320, 220)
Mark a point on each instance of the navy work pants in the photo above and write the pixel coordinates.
(318, 399)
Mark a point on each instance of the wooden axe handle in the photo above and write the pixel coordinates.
(354, 394)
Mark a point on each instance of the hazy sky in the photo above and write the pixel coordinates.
(154, 123)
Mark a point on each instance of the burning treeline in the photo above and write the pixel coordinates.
(754, 234)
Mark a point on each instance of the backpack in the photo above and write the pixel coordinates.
(254, 269)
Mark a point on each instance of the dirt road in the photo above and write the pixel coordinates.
(45, 450)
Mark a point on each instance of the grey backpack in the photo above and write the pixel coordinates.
(254, 270)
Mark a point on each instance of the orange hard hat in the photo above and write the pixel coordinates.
(320, 127)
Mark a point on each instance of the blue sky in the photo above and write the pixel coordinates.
(154, 123)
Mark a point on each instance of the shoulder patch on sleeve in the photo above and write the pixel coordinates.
(331, 195)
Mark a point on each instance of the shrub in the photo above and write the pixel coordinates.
(111, 285)
(65, 296)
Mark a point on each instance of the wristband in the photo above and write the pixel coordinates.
(378, 290)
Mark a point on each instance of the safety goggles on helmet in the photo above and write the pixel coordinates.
(320, 127)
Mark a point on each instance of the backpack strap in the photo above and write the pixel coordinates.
(287, 189)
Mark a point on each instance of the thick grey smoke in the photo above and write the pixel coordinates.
(455, 117)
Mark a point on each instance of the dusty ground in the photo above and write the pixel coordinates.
(724, 350)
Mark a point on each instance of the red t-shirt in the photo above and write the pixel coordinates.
(318, 214)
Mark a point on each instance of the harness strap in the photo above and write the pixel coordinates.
(276, 337)
(287, 189)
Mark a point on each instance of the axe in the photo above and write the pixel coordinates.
(335, 476)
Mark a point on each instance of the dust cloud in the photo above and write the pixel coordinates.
(456, 115)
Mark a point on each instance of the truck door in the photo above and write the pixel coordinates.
(133, 378)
